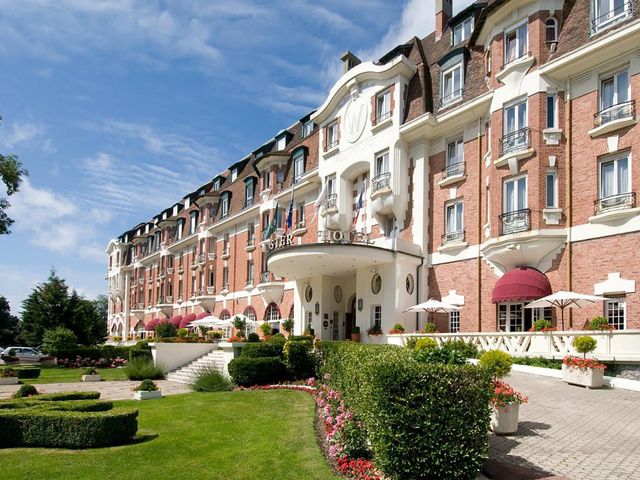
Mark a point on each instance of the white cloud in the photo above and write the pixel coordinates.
(20, 132)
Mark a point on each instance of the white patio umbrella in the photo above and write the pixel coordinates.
(563, 300)
(210, 321)
(432, 305)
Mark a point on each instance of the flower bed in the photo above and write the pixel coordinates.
(582, 363)
(80, 362)
(504, 394)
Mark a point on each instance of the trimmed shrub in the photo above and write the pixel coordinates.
(467, 350)
(8, 372)
(440, 355)
(247, 372)
(28, 372)
(300, 361)
(288, 325)
(496, 362)
(599, 323)
(253, 337)
(108, 352)
(146, 386)
(422, 421)
(142, 369)
(65, 425)
(266, 329)
(65, 396)
(584, 344)
(539, 362)
(541, 325)
(183, 333)
(60, 338)
(263, 349)
(429, 327)
(210, 380)
(425, 344)
(166, 330)
(25, 391)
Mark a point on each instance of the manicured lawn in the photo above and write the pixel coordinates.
(64, 375)
(233, 435)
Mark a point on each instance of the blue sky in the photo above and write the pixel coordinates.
(120, 107)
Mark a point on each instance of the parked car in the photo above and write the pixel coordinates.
(24, 354)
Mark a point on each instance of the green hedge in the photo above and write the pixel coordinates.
(55, 421)
(24, 372)
(422, 421)
(108, 352)
(247, 372)
(300, 360)
(262, 350)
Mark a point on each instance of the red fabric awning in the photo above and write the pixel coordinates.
(175, 321)
(202, 315)
(520, 285)
(187, 319)
(151, 324)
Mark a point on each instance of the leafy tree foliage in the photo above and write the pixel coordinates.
(60, 338)
(50, 305)
(8, 324)
(11, 174)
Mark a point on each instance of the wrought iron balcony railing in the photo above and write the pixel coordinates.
(332, 144)
(331, 202)
(615, 202)
(614, 15)
(615, 112)
(383, 116)
(516, 221)
(450, 98)
(380, 182)
(453, 237)
(456, 169)
(265, 277)
(515, 141)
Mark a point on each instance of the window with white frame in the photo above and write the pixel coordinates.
(382, 163)
(516, 134)
(225, 277)
(541, 313)
(300, 216)
(515, 43)
(266, 179)
(251, 234)
(298, 165)
(216, 185)
(455, 157)
(462, 30)
(615, 310)
(452, 84)
(614, 177)
(249, 272)
(614, 98)
(281, 143)
(272, 314)
(605, 13)
(454, 322)
(515, 194)
(331, 184)
(224, 205)
(376, 317)
(551, 29)
(552, 110)
(383, 105)
(248, 193)
(454, 225)
(234, 174)
(551, 189)
(193, 222)
(332, 134)
(307, 128)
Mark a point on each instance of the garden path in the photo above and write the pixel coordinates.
(118, 390)
(571, 431)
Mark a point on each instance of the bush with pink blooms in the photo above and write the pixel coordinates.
(80, 362)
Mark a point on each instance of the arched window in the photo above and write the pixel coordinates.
(551, 27)
(225, 315)
(272, 313)
(250, 313)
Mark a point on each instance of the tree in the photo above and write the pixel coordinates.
(8, 324)
(11, 173)
(101, 304)
(57, 339)
(50, 306)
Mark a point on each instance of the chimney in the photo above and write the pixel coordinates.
(349, 60)
(444, 11)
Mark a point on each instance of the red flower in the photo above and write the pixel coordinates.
(504, 394)
(582, 363)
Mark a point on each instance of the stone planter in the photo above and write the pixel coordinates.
(504, 420)
(9, 381)
(375, 339)
(91, 378)
(588, 377)
(147, 395)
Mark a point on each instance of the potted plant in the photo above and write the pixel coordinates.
(429, 327)
(287, 326)
(8, 376)
(599, 323)
(265, 328)
(355, 334)
(587, 372)
(397, 328)
(504, 399)
(375, 334)
(146, 391)
(91, 375)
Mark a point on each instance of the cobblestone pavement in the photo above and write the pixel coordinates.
(114, 390)
(571, 431)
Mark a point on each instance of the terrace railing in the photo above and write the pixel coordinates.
(514, 222)
(615, 112)
(615, 202)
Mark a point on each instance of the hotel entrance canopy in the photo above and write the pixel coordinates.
(331, 259)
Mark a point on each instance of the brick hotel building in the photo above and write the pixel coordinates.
(487, 164)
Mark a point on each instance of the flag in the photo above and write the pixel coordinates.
(272, 225)
(289, 222)
(358, 207)
(319, 200)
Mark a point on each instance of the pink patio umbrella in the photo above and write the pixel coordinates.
(175, 321)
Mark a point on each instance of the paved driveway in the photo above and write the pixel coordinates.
(575, 432)
(115, 390)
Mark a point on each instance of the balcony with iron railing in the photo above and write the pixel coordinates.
(265, 277)
(383, 116)
(381, 183)
(515, 141)
(611, 17)
(450, 98)
(332, 144)
(211, 255)
(614, 203)
(613, 118)
(453, 172)
(515, 222)
(331, 202)
(453, 237)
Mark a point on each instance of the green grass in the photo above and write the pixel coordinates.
(229, 435)
(65, 375)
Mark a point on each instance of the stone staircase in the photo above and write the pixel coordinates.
(187, 373)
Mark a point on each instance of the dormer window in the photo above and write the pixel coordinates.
(281, 143)
(605, 13)
(266, 180)
(180, 229)
(193, 222)
(462, 30)
(234, 174)
(216, 185)
(452, 85)
(249, 191)
(298, 164)
(551, 30)
(224, 204)
(383, 105)
(307, 128)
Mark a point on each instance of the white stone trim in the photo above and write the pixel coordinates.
(614, 284)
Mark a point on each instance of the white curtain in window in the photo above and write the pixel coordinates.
(623, 175)
(522, 40)
(607, 180)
